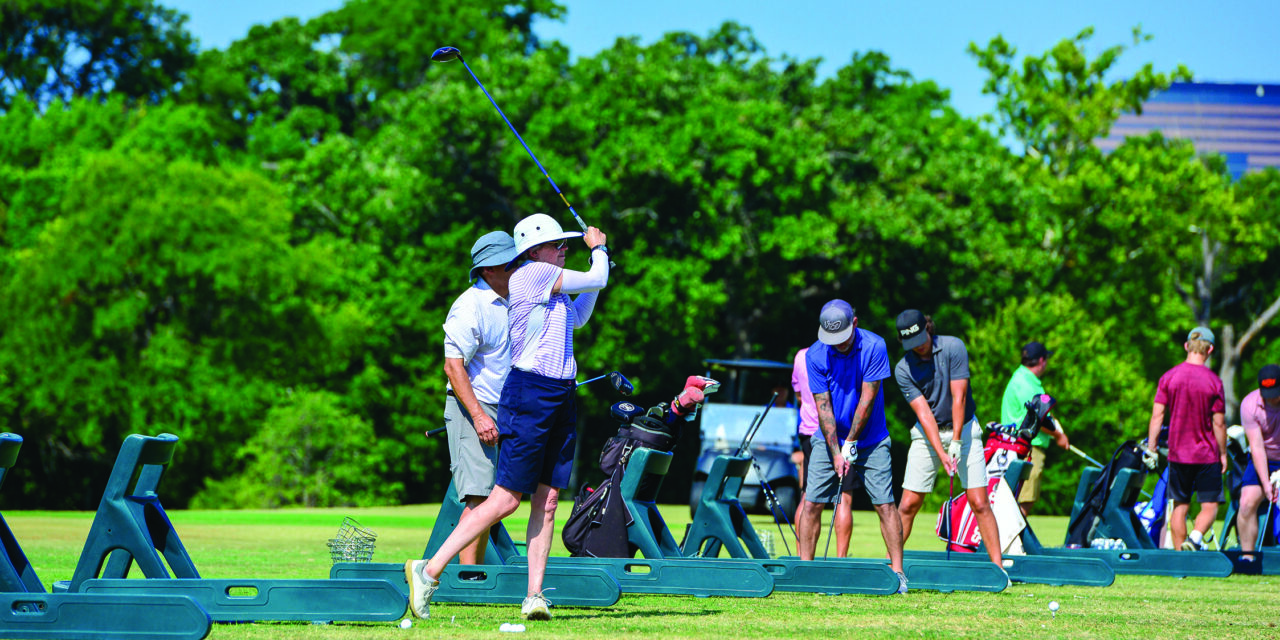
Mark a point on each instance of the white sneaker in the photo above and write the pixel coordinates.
(536, 607)
(420, 588)
(1008, 580)
(1192, 543)
(902, 583)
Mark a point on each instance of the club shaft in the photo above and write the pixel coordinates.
(578, 218)
(1084, 455)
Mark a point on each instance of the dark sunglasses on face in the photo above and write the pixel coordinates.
(563, 244)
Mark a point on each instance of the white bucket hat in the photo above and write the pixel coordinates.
(537, 229)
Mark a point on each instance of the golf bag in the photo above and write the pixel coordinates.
(1005, 443)
(1081, 527)
(597, 525)
(1151, 512)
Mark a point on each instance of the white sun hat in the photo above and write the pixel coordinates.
(537, 229)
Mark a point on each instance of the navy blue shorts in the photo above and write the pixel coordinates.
(1251, 475)
(1205, 480)
(537, 419)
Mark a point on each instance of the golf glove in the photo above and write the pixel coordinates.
(1150, 458)
(849, 451)
(953, 448)
(1275, 479)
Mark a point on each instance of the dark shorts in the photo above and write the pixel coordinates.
(1251, 475)
(1205, 480)
(536, 427)
(806, 448)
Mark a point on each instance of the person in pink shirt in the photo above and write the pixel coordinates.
(1260, 416)
(1190, 396)
(808, 417)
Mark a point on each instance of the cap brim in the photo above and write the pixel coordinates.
(496, 260)
(1269, 393)
(839, 337)
(915, 341)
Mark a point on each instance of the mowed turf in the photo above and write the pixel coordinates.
(290, 543)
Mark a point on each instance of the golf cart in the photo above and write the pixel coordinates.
(725, 422)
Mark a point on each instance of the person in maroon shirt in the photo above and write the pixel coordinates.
(1191, 397)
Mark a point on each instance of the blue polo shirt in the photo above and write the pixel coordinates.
(842, 375)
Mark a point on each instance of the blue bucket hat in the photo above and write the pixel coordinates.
(493, 249)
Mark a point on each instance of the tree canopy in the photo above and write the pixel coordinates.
(255, 248)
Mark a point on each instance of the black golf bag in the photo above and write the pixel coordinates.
(1081, 527)
(597, 526)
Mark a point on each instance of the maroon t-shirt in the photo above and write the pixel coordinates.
(1191, 394)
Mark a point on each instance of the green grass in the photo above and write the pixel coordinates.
(290, 544)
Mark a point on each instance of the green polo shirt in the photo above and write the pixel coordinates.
(1022, 387)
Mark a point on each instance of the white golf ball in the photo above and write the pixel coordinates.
(406, 623)
(1053, 606)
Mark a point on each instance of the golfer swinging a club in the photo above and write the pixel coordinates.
(536, 412)
(934, 378)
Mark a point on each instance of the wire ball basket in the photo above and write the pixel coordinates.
(353, 543)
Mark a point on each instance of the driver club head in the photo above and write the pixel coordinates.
(446, 54)
(621, 383)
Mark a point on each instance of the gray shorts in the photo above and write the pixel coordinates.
(470, 461)
(873, 465)
(922, 460)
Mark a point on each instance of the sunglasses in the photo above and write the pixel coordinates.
(563, 244)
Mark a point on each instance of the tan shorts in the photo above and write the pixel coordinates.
(922, 461)
(1031, 488)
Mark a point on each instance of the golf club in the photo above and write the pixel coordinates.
(619, 382)
(834, 506)
(951, 491)
(1266, 518)
(770, 497)
(1084, 455)
(446, 54)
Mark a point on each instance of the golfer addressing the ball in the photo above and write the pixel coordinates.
(536, 411)
(934, 378)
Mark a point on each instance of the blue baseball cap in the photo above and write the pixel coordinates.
(1201, 333)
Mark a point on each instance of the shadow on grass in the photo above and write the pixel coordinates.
(595, 614)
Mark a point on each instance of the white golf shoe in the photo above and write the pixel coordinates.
(420, 588)
(536, 607)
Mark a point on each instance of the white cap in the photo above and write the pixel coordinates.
(537, 229)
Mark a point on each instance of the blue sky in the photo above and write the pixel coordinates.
(1219, 41)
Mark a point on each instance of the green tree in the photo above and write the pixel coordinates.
(164, 296)
(310, 452)
(60, 49)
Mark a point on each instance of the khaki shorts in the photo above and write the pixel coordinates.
(923, 466)
(470, 460)
(1031, 488)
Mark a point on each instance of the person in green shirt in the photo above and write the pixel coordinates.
(1024, 385)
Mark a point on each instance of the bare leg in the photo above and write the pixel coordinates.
(1247, 516)
(1204, 519)
(801, 510)
(844, 524)
(1178, 523)
(980, 505)
(907, 509)
(891, 531)
(501, 503)
(808, 528)
(542, 525)
(474, 553)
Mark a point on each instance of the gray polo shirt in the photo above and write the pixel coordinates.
(932, 378)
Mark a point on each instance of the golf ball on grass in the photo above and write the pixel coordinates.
(1053, 606)
(406, 623)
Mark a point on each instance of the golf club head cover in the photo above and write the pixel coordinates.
(695, 391)
(1150, 458)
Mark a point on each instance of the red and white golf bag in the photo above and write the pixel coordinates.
(1005, 443)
